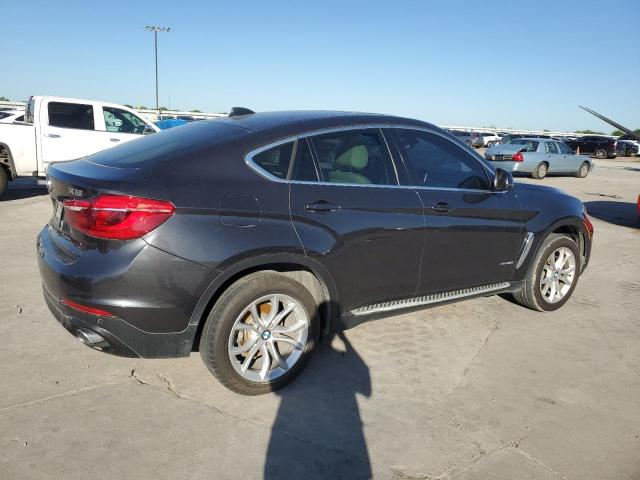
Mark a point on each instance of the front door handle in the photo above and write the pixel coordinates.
(441, 207)
(114, 139)
(52, 135)
(321, 206)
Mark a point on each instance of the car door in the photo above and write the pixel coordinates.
(473, 234)
(117, 125)
(554, 157)
(354, 218)
(568, 160)
(67, 131)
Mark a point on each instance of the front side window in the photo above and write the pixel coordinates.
(438, 162)
(275, 160)
(550, 147)
(564, 148)
(71, 115)
(354, 156)
(120, 121)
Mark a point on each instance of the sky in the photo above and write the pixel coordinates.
(509, 64)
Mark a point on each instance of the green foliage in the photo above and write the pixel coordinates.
(4, 99)
(590, 132)
(195, 110)
(127, 105)
(163, 109)
(141, 107)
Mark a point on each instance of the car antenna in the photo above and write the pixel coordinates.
(237, 111)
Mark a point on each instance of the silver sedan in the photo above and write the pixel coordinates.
(539, 157)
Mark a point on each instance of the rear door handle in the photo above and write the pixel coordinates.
(321, 206)
(114, 139)
(52, 135)
(441, 207)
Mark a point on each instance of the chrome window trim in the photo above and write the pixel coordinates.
(248, 158)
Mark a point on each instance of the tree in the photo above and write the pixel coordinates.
(141, 107)
(589, 132)
(4, 99)
(162, 109)
(127, 105)
(195, 110)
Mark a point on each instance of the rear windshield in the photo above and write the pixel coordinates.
(530, 145)
(169, 145)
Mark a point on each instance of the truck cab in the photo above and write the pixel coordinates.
(57, 129)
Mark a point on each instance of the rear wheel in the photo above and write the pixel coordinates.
(553, 275)
(541, 171)
(583, 171)
(260, 333)
(4, 181)
(601, 153)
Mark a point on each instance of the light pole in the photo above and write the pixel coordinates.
(155, 29)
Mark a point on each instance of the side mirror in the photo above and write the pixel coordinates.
(148, 129)
(503, 180)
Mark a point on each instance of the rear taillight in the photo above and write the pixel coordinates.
(117, 217)
(587, 222)
(517, 157)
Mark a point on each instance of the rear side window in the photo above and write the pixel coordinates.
(354, 156)
(564, 148)
(530, 145)
(550, 147)
(304, 169)
(275, 160)
(71, 115)
(438, 162)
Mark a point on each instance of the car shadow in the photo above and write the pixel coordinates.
(318, 431)
(14, 192)
(617, 213)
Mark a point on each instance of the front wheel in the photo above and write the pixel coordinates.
(601, 154)
(260, 333)
(553, 275)
(583, 171)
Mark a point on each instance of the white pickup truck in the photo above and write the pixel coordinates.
(58, 129)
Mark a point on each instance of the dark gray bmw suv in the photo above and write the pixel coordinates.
(248, 237)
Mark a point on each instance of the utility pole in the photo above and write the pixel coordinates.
(155, 29)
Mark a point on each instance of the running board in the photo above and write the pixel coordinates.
(428, 299)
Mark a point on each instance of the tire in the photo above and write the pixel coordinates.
(541, 171)
(583, 171)
(531, 293)
(221, 334)
(601, 154)
(4, 181)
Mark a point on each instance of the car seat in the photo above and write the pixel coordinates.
(349, 165)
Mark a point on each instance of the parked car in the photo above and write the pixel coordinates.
(539, 157)
(279, 226)
(599, 146)
(10, 116)
(511, 136)
(490, 138)
(63, 129)
(630, 139)
(471, 139)
(630, 148)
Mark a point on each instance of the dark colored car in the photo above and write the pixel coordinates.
(600, 147)
(246, 237)
(471, 139)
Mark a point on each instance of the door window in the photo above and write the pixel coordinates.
(565, 148)
(438, 162)
(71, 115)
(276, 159)
(354, 156)
(550, 147)
(121, 121)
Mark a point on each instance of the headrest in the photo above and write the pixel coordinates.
(356, 157)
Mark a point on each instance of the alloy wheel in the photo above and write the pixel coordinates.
(268, 338)
(558, 275)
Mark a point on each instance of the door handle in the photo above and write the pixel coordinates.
(321, 206)
(52, 135)
(441, 207)
(114, 139)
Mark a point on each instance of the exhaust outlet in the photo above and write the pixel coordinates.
(91, 338)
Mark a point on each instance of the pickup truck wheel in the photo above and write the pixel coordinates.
(4, 180)
(540, 172)
(583, 171)
(260, 333)
(601, 154)
(552, 276)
